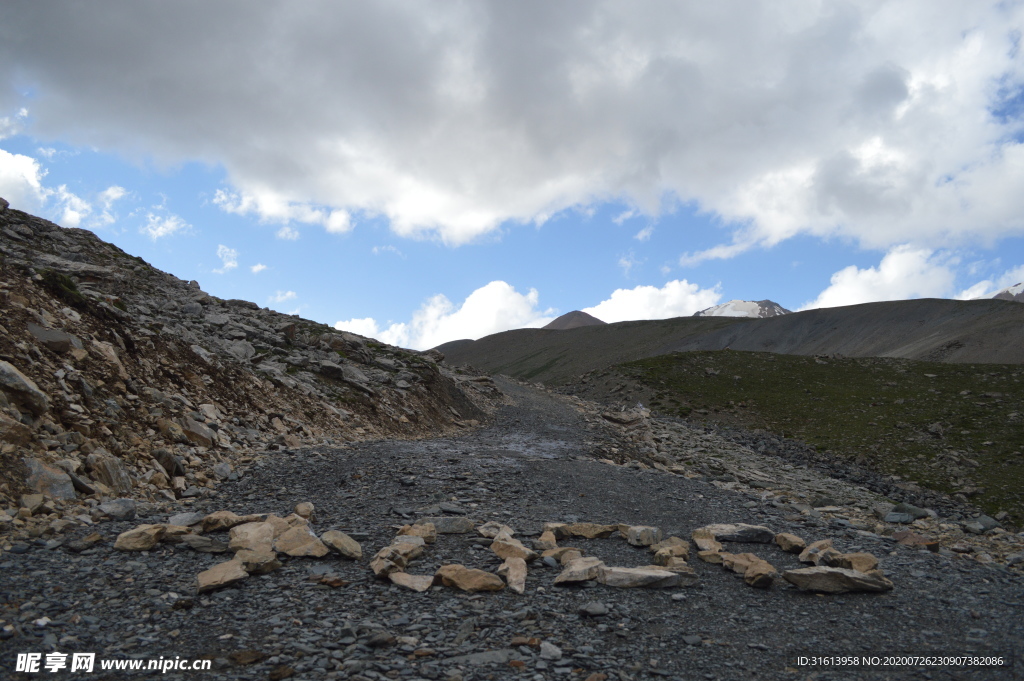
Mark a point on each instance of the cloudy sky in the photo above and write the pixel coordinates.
(427, 171)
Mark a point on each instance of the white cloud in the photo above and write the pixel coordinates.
(677, 298)
(288, 233)
(257, 268)
(983, 289)
(624, 215)
(12, 126)
(905, 272)
(21, 181)
(721, 252)
(159, 226)
(489, 309)
(112, 194)
(628, 262)
(228, 258)
(282, 296)
(884, 123)
(338, 222)
(644, 234)
(377, 250)
(107, 198)
(73, 208)
(366, 326)
(271, 206)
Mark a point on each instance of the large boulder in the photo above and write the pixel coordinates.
(47, 480)
(467, 579)
(740, 532)
(221, 575)
(141, 538)
(199, 433)
(812, 553)
(119, 509)
(705, 540)
(14, 432)
(588, 530)
(22, 389)
(506, 546)
(259, 560)
(834, 580)
(109, 470)
(643, 535)
(414, 582)
(582, 569)
(651, 578)
(388, 560)
(225, 520)
(341, 543)
(861, 562)
(514, 572)
(300, 541)
(241, 350)
(54, 339)
(492, 529)
(169, 462)
(251, 536)
(790, 543)
(426, 530)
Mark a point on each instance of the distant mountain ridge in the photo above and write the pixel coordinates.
(572, 320)
(755, 309)
(937, 330)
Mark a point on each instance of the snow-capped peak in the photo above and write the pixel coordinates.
(744, 308)
(1015, 292)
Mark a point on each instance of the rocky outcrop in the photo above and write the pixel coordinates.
(142, 385)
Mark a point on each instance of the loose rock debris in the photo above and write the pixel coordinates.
(257, 540)
(372, 628)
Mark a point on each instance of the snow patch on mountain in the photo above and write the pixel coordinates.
(1015, 292)
(757, 309)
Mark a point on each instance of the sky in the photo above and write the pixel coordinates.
(424, 171)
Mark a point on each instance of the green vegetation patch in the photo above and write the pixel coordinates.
(63, 287)
(958, 428)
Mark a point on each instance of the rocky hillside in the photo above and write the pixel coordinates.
(119, 379)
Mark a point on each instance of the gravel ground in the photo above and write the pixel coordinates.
(532, 463)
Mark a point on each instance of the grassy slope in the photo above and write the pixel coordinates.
(881, 411)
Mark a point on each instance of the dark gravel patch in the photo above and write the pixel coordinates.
(532, 464)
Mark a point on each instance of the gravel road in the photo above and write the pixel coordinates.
(532, 463)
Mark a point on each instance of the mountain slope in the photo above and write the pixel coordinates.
(973, 331)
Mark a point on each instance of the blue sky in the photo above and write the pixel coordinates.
(427, 172)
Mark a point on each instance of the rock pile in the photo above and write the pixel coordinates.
(834, 572)
(256, 539)
(119, 380)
